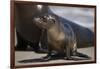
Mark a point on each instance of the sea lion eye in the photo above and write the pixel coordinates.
(44, 18)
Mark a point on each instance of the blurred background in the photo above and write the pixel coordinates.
(80, 15)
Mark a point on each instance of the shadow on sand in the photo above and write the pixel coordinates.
(39, 60)
(54, 57)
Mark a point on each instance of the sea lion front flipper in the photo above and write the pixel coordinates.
(46, 58)
(49, 55)
(82, 55)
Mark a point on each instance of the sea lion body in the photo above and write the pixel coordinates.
(60, 39)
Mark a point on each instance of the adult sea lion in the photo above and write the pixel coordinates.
(61, 38)
(28, 34)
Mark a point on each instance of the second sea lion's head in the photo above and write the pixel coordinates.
(45, 21)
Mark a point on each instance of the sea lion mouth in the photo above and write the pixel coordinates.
(40, 22)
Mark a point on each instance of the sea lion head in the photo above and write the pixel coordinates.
(45, 21)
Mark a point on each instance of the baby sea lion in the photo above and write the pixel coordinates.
(60, 39)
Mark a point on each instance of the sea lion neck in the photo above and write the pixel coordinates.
(53, 28)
